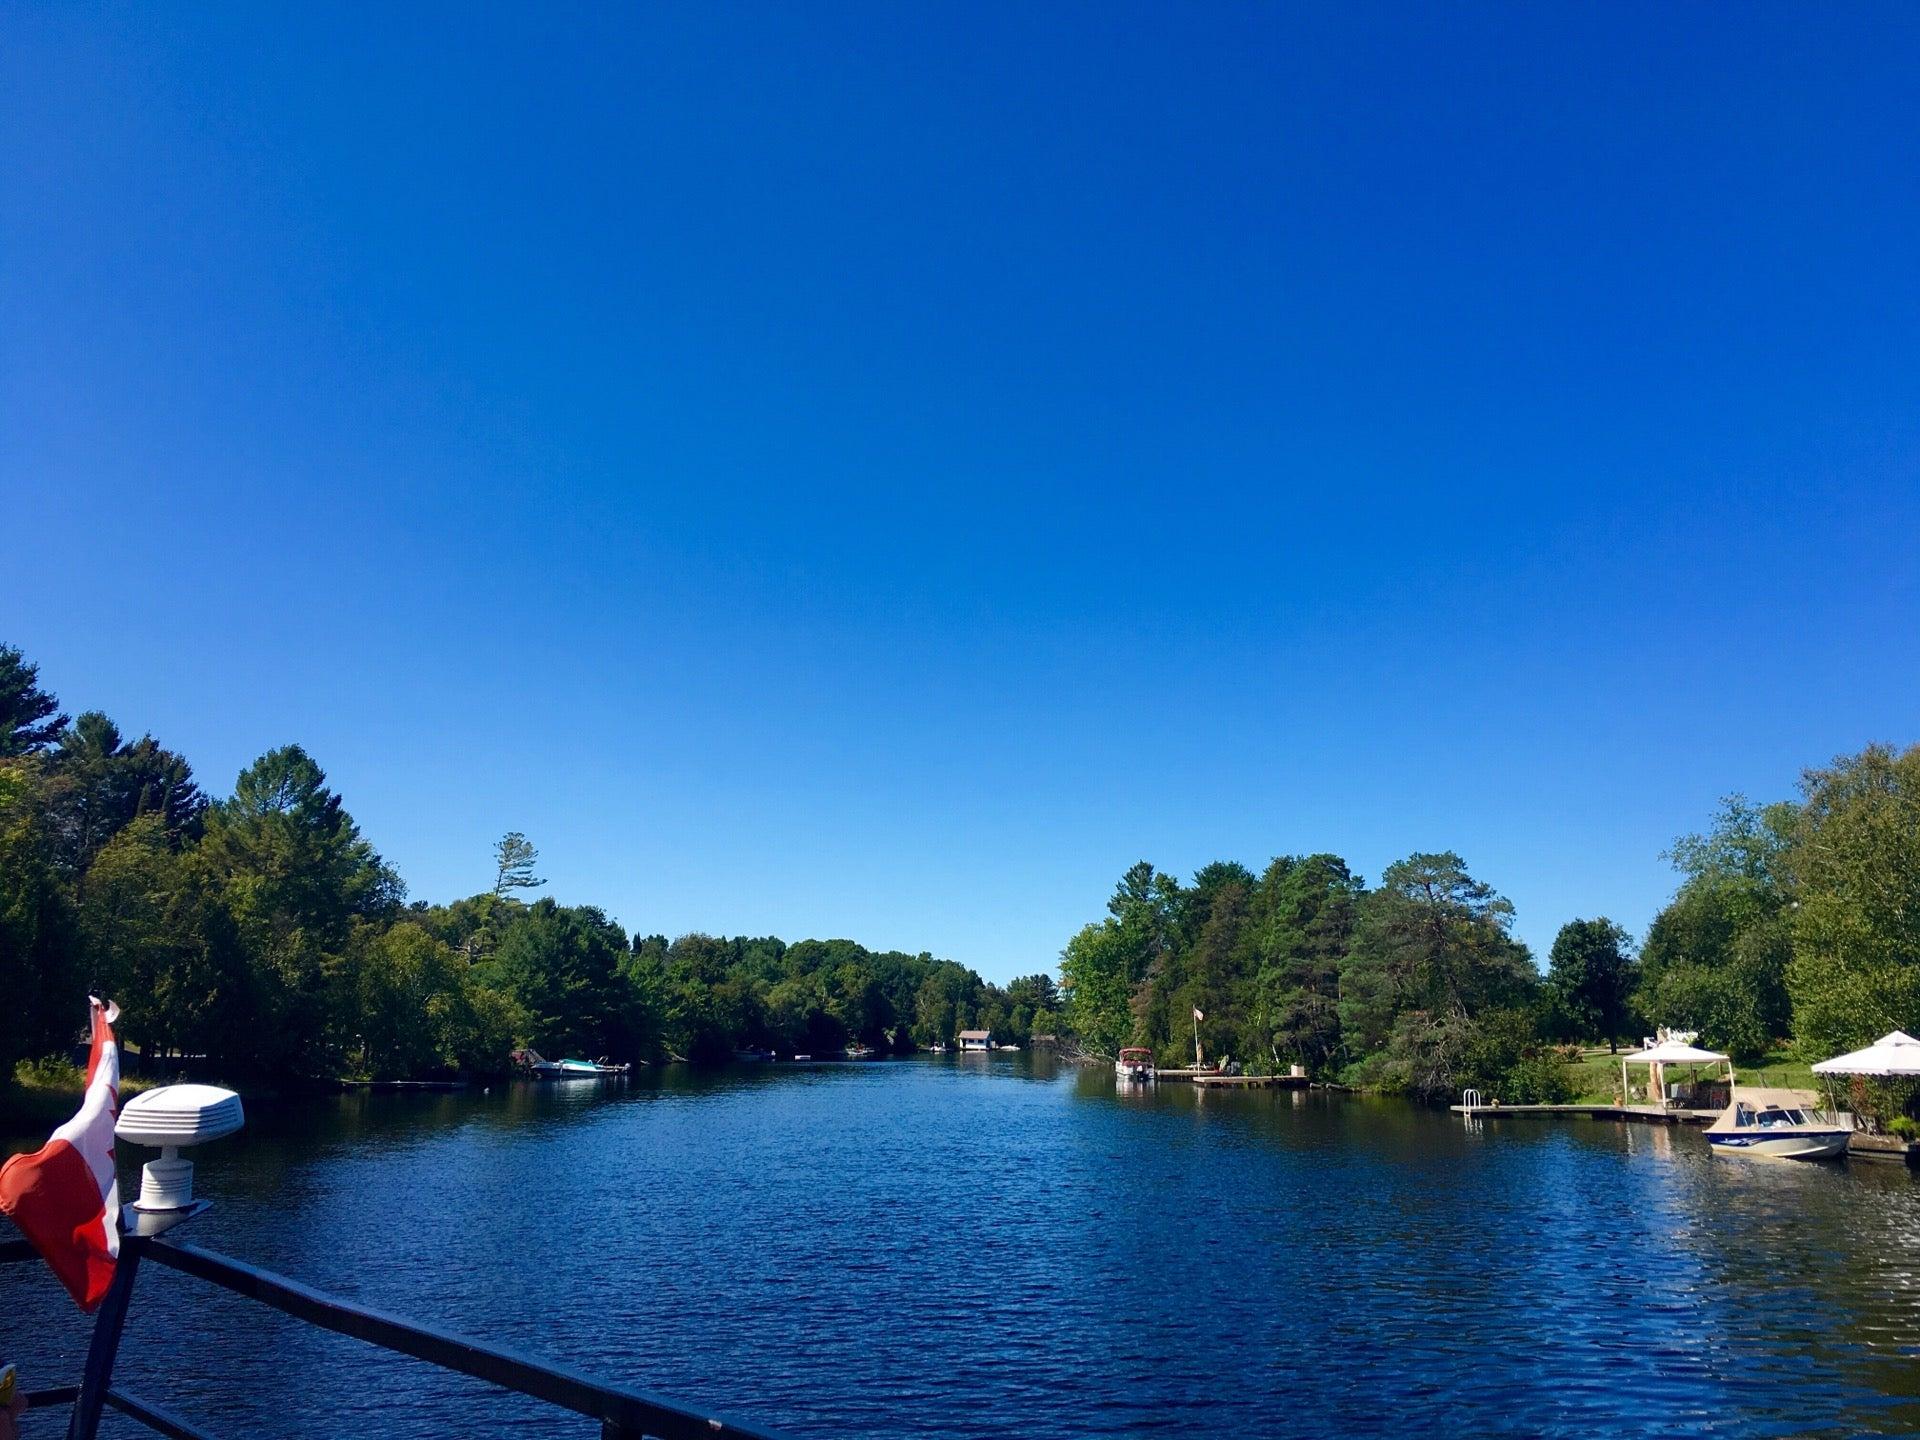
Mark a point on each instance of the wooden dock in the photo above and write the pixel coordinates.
(1212, 1079)
(1645, 1114)
(1882, 1147)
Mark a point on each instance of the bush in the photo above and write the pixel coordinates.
(1541, 1079)
(50, 1072)
(1905, 1126)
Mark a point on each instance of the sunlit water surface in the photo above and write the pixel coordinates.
(985, 1245)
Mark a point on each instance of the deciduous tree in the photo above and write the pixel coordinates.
(1593, 974)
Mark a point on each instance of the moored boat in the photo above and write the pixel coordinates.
(579, 1069)
(1778, 1125)
(1134, 1066)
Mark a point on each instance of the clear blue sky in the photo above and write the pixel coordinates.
(880, 470)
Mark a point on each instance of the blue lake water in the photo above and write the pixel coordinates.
(986, 1245)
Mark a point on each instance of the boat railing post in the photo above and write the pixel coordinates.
(104, 1347)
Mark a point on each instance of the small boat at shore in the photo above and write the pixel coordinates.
(858, 1051)
(1134, 1066)
(588, 1069)
(1778, 1125)
(533, 1063)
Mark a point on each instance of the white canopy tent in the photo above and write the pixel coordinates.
(1658, 1057)
(1894, 1054)
(1672, 1052)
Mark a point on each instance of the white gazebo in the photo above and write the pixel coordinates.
(1658, 1057)
(1895, 1054)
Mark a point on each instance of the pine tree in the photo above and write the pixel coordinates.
(514, 858)
(30, 719)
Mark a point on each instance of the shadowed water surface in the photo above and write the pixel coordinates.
(975, 1245)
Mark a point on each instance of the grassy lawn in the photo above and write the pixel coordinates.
(45, 1093)
(1597, 1075)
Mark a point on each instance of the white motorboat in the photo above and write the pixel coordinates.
(584, 1069)
(531, 1062)
(1134, 1066)
(1778, 1125)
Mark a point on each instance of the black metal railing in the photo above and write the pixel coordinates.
(624, 1414)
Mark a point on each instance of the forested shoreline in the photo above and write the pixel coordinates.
(1795, 930)
(264, 936)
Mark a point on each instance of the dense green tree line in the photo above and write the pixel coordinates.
(1795, 924)
(264, 933)
(1414, 985)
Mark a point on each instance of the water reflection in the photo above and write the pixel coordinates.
(956, 1245)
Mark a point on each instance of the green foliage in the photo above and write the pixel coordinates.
(264, 933)
(50, 1072)
(1303, 916)
(266, 936)
(97, 785)
(562, 966)
(1505, 1058)
(716, 995)
(1715, 958)
(1430, 953)
(1539, 1079)
(1591, 978)
(1799, 919)
(1094, 970)
(1304, 965)
(293, 879)
(39, 964)
(1855, 868)
(30, 719)
(514, 858)
(414, 1008)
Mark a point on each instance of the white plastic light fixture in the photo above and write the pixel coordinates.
(169, 1119)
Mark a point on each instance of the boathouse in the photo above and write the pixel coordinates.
(976, 1040)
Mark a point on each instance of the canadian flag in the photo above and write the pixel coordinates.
(64, 1196)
